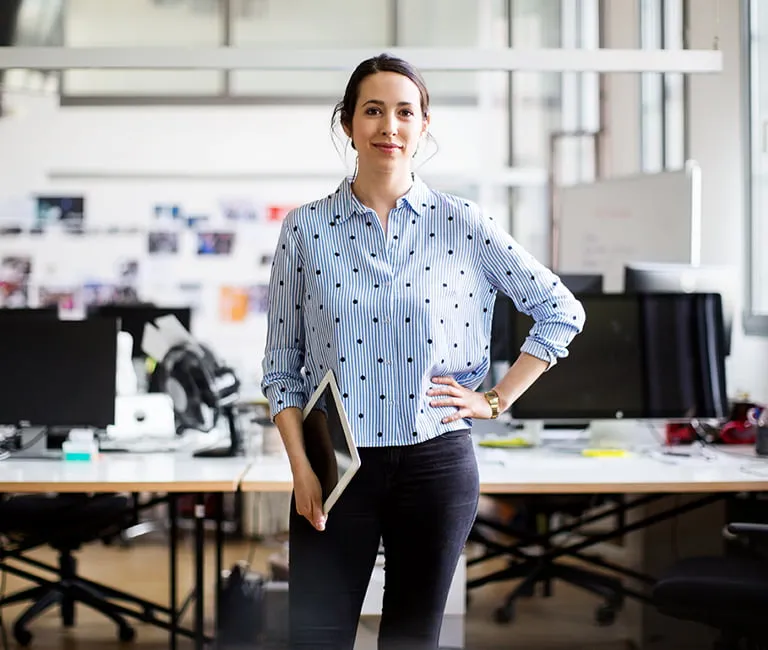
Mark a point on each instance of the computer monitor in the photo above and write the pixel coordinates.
(132, 319)
(28, 313)
(58, 372)
(644, 356)
(642, 277)
(503, 348)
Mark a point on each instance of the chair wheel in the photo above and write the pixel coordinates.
(127, 633)
(504, 614)
(23, 637)
(605, 615)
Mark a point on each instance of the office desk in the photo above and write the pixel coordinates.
(171, 473)
(178, 472)
(545, 471)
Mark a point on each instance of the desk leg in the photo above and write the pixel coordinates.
(199, 571)
(219, 553)
(174, 534)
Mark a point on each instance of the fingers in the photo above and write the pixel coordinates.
(313, 513)
(461, 413)
(318, 516)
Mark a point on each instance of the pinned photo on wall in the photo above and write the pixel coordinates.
(98, 293)
(233, 304)
(215, 243)
(15, 271)
(60, 213)
(128, 272)
(241, 210)
(276, 213)
(258, 298)
(68, 299)
(163, 242)
(168, 212)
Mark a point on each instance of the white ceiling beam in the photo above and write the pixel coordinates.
(445, 59)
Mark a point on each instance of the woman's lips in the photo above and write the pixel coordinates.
(387, 148)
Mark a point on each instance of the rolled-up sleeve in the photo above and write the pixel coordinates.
(534, 290)
(282, 379)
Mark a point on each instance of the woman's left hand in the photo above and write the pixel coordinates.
(469, 403)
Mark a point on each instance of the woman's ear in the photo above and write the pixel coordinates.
(425, 124)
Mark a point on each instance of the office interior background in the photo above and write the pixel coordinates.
(140, 145)
(169, 186)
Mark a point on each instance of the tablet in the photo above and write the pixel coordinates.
(328, 441)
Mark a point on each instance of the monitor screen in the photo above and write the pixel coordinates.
(639, 356)
(132, 319)
(58, 373)
(29, 313)
(503, 347)
(685, 278)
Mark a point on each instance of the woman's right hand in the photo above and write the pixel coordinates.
(309, 497)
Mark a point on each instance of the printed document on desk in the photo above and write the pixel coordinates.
(328, 440)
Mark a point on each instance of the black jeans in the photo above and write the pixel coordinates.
(420, 501)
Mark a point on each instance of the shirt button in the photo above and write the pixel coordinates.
(387, 321)
(391, 402)
(389, 363)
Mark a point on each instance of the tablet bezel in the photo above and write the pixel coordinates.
(329, 381)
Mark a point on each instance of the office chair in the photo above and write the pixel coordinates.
(531, 529)
(728, 593)
(63, 522)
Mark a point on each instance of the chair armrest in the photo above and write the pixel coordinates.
(747, 529)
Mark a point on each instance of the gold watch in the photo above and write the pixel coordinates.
(492, 397)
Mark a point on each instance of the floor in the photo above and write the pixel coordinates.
(564, 621)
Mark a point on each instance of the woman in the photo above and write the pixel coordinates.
(391, 285)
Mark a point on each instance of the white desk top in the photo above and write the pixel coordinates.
(543, 471)
(123, 472)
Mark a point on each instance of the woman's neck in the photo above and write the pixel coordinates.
(381, 190)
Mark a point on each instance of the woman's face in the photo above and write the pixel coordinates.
(387, 122)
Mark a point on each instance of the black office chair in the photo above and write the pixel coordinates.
(531, 528)
(64, 522)
(728, 593)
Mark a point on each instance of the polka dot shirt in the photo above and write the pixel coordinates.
(386, 312)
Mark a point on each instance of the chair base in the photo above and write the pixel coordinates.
(65, 594)
(601, 585)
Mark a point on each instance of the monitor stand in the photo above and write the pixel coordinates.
(235, 438)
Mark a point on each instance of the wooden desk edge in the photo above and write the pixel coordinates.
(101, 487)
(693, 487)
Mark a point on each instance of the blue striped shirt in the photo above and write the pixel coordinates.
(389, 311)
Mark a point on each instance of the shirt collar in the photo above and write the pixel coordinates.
(346, 203)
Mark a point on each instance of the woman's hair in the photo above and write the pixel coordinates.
(344, 110)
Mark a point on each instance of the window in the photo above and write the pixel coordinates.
(662, 116)
(95, 23)
(756, 58)
(553, 115)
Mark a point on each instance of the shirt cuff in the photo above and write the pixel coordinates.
(536, 349)
(279, 401)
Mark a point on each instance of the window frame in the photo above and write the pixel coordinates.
(754, 323)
